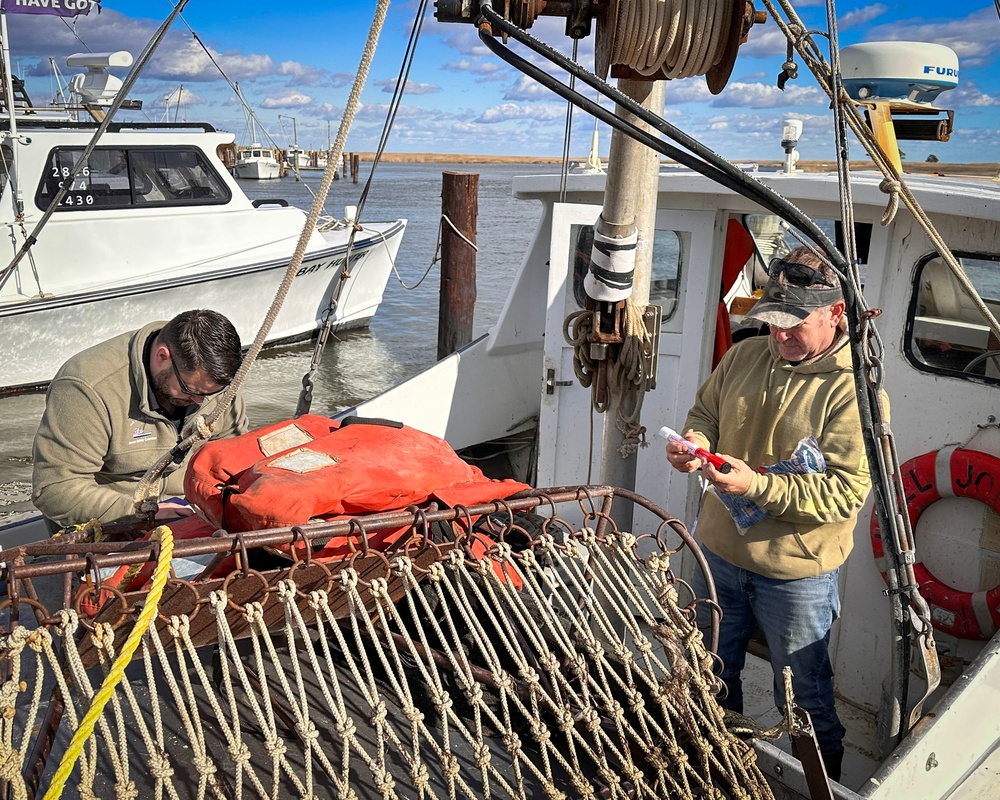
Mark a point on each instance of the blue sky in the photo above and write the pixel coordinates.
(298, 60)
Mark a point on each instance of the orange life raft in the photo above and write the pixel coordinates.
(312, 468)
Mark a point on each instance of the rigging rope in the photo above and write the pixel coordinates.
(200, 428)
(305, 396)
(627, 381)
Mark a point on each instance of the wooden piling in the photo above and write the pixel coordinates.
(460, 205)
(355, 167)
(347, 165)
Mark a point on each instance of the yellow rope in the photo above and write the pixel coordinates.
(114, 677)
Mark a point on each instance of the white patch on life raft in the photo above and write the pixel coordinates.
(283, 439)
(302, 461)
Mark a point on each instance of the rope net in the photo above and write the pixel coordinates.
(514, 650)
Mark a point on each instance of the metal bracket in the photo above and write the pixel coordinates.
(807, 751)
(551, 383)
(651, 318)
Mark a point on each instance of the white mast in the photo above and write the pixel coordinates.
(9, 91)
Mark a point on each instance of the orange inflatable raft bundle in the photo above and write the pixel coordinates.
(313, 467)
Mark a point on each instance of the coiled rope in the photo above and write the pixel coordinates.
(680, 37)
(626, 378)
(114, 676)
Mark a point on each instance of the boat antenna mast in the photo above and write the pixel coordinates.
(294, 152)
(11, 135)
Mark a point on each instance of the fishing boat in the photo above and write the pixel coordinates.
(151, 224)
(256, 163)
(505, 641)
(939, 366)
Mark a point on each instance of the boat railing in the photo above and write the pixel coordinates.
(114, 127)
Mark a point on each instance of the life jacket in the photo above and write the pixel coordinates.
(324, 471)
(312, 467)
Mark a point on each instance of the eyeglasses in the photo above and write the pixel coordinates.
(797, 274)
(184, 387)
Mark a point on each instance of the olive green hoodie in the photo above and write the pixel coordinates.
(756, 406)
(99, 434)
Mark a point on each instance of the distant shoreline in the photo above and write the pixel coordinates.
(989, 169)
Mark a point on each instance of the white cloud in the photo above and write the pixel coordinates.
(859, 16)
(290, 100)
(509, 111)
(412, 87)
(763, 42)
(184, 96)
(689, 90)
(477, 66)
(973, 38)
(968, 95)
(759, 95)
(303, 74)
(527, 89)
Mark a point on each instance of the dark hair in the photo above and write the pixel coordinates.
(205, 340)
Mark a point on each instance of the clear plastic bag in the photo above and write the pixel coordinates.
(806, 458)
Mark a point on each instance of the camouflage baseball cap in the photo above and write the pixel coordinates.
(792, 293)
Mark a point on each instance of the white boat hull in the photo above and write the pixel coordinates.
(257, 170)
(55, 327)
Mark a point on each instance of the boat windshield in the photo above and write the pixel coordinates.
(116, 177)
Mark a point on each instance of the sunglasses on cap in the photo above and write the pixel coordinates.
(797, 274)
(184, 388)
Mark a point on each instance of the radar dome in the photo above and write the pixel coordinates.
(914, 71)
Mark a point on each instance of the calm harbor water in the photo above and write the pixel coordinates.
(402, 339)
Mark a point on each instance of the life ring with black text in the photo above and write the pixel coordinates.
(950, 472)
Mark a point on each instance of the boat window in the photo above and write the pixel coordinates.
(773, 238)
(946, 333)
(123, 177)
(668, 259)
(665, 272)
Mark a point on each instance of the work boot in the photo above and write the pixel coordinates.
(832, 760)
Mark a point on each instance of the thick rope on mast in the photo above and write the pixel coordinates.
(201, 427)
(681, 38)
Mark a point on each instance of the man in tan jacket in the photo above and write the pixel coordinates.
(114, 409)
(766, 396)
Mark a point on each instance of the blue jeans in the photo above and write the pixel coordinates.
(795, 616)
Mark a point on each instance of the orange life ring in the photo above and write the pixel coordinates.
(950, 472)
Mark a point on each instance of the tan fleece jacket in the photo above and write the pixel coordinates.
(757, 407)
(99, 435)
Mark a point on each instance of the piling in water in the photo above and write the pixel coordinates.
(460, 206)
